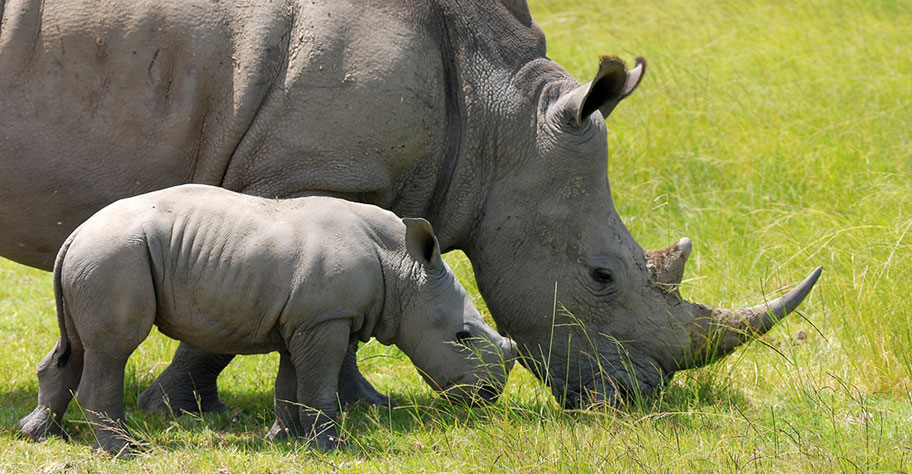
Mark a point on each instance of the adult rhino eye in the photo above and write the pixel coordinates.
(602, 275)
(462, 337)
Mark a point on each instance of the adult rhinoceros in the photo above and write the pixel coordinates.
(443, 109)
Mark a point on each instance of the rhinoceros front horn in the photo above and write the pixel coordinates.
(729, 328)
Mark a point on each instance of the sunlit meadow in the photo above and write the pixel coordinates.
(776, 135)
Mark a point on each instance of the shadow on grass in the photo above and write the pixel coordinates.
(371, 430)
(694, 391)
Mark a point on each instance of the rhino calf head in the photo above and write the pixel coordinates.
(443, 334)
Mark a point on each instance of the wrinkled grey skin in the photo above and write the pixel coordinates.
(231, 273)
(446, 110)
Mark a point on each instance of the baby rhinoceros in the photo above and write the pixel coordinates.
(232, 273)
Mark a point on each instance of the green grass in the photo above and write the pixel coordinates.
(776, 135)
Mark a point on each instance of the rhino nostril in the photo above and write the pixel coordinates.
(462, 337)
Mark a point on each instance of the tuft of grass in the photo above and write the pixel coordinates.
(776, 135)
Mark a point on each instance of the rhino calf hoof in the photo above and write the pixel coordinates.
(119, 448)
(327, 443)
(39, 425)
(280, 432)
(114, 438)
(321, 442)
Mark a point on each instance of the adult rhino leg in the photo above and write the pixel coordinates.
(188, 384)
(353, 387)
(287, 423)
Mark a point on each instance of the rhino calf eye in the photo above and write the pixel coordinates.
(602, 275)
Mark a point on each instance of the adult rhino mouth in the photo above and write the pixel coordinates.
(608, 386)
(588, 395)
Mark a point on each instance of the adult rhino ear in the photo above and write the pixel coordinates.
(421, 243)
(519, 8)
(612, 84)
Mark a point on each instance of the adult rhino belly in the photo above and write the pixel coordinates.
(105, 100)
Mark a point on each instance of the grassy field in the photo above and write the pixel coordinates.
(777, 135)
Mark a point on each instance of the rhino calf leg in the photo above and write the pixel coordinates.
(112, 313)
(317, 357)
(57, 381)
(288, 422)
(101, 395)
(188, 384)
(354, 388)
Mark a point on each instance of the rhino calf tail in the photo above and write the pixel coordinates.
(64, 347)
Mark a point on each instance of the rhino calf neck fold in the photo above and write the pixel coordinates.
(231, 273)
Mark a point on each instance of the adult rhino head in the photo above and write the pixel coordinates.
(595, 315)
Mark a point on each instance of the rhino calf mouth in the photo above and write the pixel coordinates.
(473, 395)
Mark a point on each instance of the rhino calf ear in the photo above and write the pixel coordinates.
(421, 243)
(611, 85)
